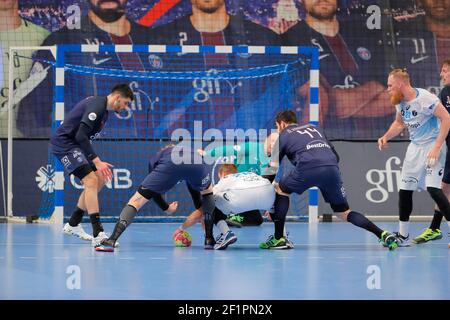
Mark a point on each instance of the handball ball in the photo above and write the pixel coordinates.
(182, 239)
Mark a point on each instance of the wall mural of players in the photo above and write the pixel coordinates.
(354, 57)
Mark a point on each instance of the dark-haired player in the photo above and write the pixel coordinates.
(71, 144)
(316, 165)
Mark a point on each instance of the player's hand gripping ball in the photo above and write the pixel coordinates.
(182, 239)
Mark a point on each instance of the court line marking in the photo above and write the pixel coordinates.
(408, 256)
(157, 258)
(126, 258)
(28, 257)
(253, 258)
(365, 244)
(60, 258)
(345, 257)
(316, 258)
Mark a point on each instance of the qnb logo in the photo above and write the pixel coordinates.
(45, 178)
(121, 179)
(317, 145)
(384, 181)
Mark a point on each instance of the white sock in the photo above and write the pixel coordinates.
(284, 232)
(222, 225)
(404, 228)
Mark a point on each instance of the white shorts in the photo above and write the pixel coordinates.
(243, 192)
(416, 175)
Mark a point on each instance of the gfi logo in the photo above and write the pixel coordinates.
(384, 181)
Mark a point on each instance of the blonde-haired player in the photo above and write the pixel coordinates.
(420, 112)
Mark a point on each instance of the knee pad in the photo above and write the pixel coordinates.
(146, 193)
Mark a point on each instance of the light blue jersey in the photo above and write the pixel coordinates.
(418, 116)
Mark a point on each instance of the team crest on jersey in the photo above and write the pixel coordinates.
(364, 53)
(155, 61)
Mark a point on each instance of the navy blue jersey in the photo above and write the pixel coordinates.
(351, 58)
(34, 118)
(444, 96)
(306, 147)
(90, 111)
(421, 52)
(239, 31)
(165, 171)
(217, 103)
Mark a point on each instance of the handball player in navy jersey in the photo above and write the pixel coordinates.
(71, 144)
(316, 165)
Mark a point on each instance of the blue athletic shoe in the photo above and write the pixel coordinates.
(224, 240)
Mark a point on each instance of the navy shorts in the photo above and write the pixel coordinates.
(446, 176)
(73, 159)
(326, 178)
(167, 174)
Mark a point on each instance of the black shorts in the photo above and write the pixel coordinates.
(326, 178)
(446, 175)
(75, 162)
(166, 175)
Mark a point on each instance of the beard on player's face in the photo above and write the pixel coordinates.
(316, 9)
(396, 96)
(208, 6)
(437, 10)
(108, 14)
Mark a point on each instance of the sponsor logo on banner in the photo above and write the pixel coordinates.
(45, 178)
(121, 180)
(384, 181)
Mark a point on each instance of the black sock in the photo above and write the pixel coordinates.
(96, 224)
(361, 221)
(76, 217)
(437, 219)
(208, 205)
(126, 217)
(279, 217)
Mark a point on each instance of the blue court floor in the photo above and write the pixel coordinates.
(330, 261)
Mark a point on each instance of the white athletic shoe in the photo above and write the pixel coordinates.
(77, 231)
(98, 240)
(401, 240)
